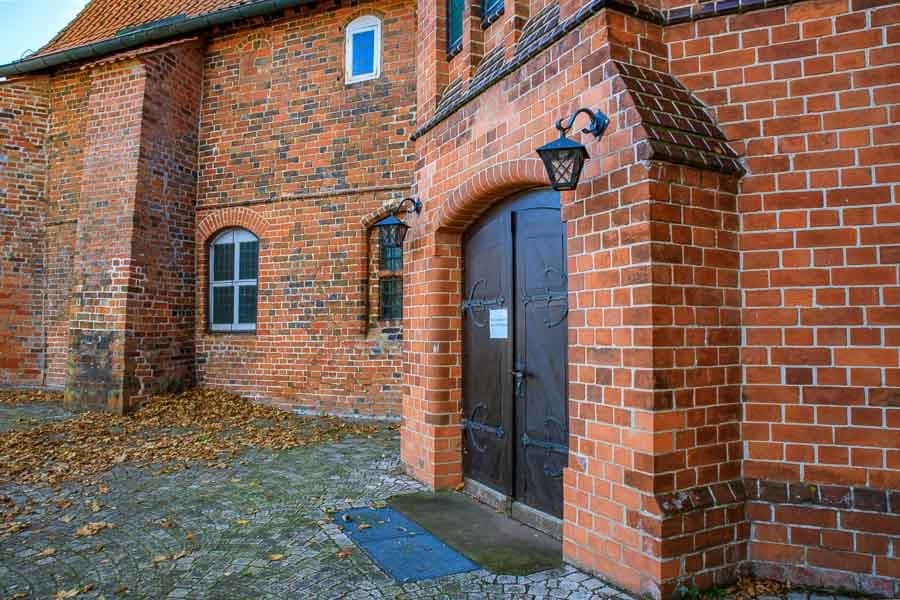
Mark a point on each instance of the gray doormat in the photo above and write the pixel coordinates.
(483, 535)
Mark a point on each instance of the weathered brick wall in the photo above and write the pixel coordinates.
(307, 163)
(161, 310)
(103, 251)
(24, 121)
(132, 314)
(65, 155)
(809, 92)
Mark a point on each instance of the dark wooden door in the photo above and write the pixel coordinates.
(514, 350)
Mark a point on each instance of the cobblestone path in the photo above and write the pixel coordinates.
(253, 528)
(214, 532)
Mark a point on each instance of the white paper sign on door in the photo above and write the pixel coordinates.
(499, 324)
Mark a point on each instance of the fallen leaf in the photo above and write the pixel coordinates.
(92, 529)
(460, 487)
(67, 518)
(344, 553)
(242, 522)
(95, 506)
(47, 552)
(189, 535)
(276, 557)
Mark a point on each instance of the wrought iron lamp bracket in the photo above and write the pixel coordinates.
(597, 127)
(414, 206)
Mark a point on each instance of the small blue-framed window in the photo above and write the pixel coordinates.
(454, 26)
(363, 49)
(490, 10)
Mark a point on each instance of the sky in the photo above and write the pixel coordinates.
(29, 24)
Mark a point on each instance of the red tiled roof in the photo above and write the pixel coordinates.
(103, 19)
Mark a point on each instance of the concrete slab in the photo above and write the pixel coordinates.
(490, 538)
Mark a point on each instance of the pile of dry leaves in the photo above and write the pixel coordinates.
(199, 425)
(14, 397)
(749, 588)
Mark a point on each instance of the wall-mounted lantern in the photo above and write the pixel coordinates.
(391, 230)
(564, 158)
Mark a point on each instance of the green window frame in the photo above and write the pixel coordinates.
(490, 11)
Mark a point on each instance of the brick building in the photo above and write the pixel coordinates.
(122, 169)
(691, 359)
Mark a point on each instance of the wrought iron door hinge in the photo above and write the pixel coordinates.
(498, 431)
(549, 446)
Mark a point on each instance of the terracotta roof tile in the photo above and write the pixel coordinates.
(679, 129)
(103, 19)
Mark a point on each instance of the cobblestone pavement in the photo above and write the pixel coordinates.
(253, 528)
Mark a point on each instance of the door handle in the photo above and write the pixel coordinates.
(519, 377)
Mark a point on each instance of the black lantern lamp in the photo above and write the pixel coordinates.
(564, 158)
(392, 231)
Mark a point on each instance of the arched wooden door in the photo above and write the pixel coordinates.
(515, 337)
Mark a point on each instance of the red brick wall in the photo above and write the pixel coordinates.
(697, 301)
(24, 113)
(310, 160)
(809, 93)
(654, 316)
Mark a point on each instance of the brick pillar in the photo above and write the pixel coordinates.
(431, 56)
(133, 293)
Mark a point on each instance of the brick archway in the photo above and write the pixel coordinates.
(431, 444)
(482, 190)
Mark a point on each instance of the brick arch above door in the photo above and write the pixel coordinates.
(485, 188)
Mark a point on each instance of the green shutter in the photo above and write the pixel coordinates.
(454, 26)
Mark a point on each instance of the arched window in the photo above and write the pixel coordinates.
(233, 272)
(363, 53)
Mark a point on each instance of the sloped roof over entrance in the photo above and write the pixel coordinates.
(678, 128)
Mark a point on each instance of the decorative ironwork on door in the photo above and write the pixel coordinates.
(471, 425)
(478, 305)
(551, 448)
(551, 297)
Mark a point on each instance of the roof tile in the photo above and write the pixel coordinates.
(103, 19)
